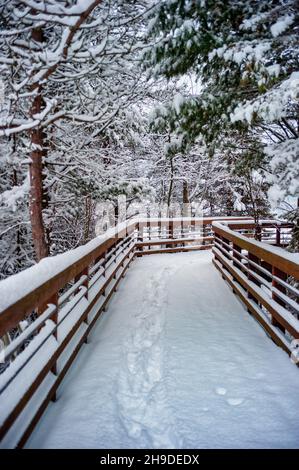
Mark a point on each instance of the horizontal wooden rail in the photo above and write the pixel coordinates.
(174, 249)
(175, 235)
(174, 245)
(61, 298)
(265, 279)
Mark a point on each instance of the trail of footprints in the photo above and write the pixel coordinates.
(232, 401)
(142, 396)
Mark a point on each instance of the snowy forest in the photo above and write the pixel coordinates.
(167, 102)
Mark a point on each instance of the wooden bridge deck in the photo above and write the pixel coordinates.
(176, 361)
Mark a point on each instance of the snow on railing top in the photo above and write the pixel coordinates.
(203, 220)
(273, 222)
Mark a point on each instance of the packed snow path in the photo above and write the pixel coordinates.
(176, 361)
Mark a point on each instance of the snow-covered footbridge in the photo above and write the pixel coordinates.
(167, 356)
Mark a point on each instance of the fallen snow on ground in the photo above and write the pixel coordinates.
(176, 361)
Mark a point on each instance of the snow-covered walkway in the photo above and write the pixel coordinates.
(176, 361)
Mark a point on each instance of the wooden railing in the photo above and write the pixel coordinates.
(48, 311)
(272, 232)
(264, 277)
(163, 235)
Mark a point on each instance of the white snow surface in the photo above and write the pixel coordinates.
(175, 362)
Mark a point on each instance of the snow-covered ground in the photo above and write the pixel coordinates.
(176, 361)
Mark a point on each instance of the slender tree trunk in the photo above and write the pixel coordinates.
(88, 217)
(170, 187)
(116, 214)
(185, 193)
(255, 212)
(211, 208)
(186, 201)
(294, 245)
(229, 205)
(36, 198)
(15, 183)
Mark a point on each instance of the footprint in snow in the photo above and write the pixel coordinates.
(221, 391)
(235, 401)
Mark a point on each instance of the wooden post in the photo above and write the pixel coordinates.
(281, 275)
(268, 267)
(204, 233)
(140, 236)
(258, 232)
(84, 272)
(237, 249)
(115, 255)
(159, 227)
(192, 225)
(236, 256)
(170, 232)
(217, 238)
(148, 225)
(251, 278)
(226, 248)
(104, 263)
(53, 301)
(278, 242)
(171, 229)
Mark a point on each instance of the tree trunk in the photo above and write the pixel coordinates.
(88, 217)
(185, 193)
(294, 245)
(186, 201)
(170, 187)
(36, 173)
(36, 196)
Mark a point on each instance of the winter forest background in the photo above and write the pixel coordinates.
(171, 101)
